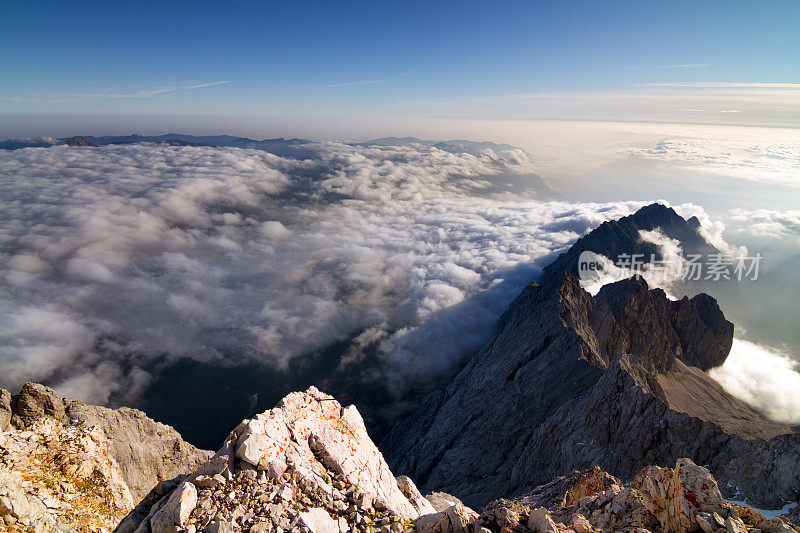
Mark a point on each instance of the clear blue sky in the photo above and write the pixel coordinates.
(449, 59)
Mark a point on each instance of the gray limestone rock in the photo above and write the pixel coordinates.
(147, 451)
(422, 504)
(441, 500)
(317, 520)
(175, 512)
(5, 409)
(33, 402)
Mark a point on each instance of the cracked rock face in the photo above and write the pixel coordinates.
(308, 464)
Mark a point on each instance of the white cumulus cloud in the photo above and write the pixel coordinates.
(766, 379)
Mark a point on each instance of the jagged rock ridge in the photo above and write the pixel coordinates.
(572, 381)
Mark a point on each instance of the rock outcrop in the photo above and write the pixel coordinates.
(454, 519)
(35, 402)
(682, 499)
(308, 464)
(65, 465)
(57, 477)
(5, 409)
(146, 451)
(571, 381)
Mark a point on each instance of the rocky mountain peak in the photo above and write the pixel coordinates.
(571, 381)
(77, 141)
(651, 326)
(628, 317)
(623, 236)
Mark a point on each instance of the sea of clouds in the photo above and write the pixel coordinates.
(118, 259)
(117, 256)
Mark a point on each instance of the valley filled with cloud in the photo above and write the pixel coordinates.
(133, 252)
(119, 261)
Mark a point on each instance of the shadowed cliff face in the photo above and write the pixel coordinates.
(628, 318)
(572, 381)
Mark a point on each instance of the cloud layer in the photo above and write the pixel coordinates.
(765, 379)
(120, 256)
(775, 162)
(118, 259)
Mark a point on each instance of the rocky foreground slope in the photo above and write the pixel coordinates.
(680, 499)
(308, 465)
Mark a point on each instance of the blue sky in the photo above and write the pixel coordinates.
(728, 62)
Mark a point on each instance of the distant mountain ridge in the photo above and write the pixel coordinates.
(173, 139)
(300, 149)
(278, 143)
(77, 141)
